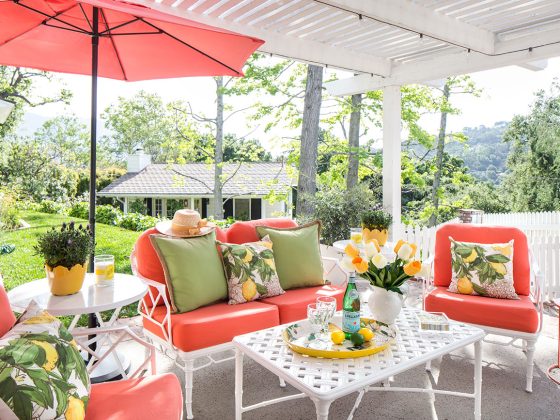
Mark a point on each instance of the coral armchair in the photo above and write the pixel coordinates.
(136, 397)
(520, 320)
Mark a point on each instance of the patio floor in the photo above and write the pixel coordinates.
(503, 392)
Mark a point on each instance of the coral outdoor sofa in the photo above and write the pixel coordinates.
(205, 331)
(156, 396)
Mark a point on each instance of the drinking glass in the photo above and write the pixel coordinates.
(356, 235)
(316, 316)
(104, 268)
(328, 304)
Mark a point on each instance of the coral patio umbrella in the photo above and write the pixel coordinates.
(118, 40)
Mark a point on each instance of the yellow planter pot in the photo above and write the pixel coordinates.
(380, 236)
(66, 282)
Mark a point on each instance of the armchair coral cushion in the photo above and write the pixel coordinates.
(214, 324)
(153, 397)
(517, 315)
(485, 235)
(7, 318)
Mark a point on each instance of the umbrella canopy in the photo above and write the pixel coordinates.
(118, 40)
(135, 42)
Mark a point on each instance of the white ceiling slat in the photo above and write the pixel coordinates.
(234, 8)
(196, 4)
(519, 23)
(327, 19)
(215, 8)
(327, 27)
(522, 11)
(488, 14)
(288, 14)
(459, 6)
(272, 11)
(305, 13)
(256, 10)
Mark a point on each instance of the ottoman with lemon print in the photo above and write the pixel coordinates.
(42, 374)
(250, 271)
(482, 269)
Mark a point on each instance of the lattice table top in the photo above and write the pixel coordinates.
(337, 377)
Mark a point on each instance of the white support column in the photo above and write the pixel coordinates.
(125, 206)
(392, 151)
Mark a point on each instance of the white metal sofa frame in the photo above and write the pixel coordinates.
(185, 360)
(529, 340)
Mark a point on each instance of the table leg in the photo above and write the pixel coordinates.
(477, 379)
(238, 384)
(322, 409)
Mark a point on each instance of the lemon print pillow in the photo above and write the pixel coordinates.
(42, 375)
(250, 270)
(482, 269)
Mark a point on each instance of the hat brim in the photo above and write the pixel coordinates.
(165, 228)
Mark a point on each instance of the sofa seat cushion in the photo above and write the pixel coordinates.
(517, 315)
(157, 396)
(215, 324)
(292, 305)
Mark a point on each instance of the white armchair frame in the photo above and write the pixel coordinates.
(186, 360)
(518, 339)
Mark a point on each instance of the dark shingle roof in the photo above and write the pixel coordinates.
(198, 179)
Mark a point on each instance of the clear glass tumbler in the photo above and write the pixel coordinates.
(104, 268)
(328, 304)
(356, 236)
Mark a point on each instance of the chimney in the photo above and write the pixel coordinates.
(138, 161)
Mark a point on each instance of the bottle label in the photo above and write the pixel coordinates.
(350, 321)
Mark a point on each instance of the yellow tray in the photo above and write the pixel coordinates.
(300, 338)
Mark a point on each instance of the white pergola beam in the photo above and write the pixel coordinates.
(392, 152)
(300, 49)
(445, 66)
(406, 14)
(538, 65)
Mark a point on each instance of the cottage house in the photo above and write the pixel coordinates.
(161, 189)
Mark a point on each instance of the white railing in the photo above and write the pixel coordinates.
(543, 235)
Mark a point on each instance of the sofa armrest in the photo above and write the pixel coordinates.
(113, 336)
(156, 296)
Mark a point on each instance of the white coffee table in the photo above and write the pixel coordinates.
(325, 380)
(91, 299)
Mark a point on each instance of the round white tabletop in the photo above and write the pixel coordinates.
(90, 299)
(386, 250)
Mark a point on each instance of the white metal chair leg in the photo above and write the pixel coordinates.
(530, 353)
(282, 383)
(189, 377)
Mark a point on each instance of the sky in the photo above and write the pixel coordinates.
(506, 92)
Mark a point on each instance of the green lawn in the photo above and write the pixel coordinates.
(22, 265)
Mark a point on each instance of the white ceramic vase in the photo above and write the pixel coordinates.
(385, 305)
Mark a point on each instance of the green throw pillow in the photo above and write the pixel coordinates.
(193, 270)
(296, 254)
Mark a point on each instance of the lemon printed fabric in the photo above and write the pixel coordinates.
(250, 270)
(482, 269)
(42, 375)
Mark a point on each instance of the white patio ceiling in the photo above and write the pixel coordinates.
(389, 42)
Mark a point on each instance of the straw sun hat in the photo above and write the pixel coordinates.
(185, 223)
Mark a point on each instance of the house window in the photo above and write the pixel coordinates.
(174, 205)
(242, 209)
(158, 207)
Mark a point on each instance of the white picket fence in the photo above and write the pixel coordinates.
(543, 234)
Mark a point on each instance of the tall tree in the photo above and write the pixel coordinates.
(219, 149)
(354, 142)
(17, 86)
(307, 180)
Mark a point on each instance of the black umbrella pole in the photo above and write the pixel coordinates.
(92, 322)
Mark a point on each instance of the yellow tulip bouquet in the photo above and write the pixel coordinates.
(372, 265)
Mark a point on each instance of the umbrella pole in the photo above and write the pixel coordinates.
(92, 321)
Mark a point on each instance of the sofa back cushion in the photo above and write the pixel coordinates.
(465, 232)
(243, 232)
(7, 318)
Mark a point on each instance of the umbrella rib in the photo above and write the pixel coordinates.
(85, 16)
(190, 46)
(118, 26)
(53, 17)
(113, 43)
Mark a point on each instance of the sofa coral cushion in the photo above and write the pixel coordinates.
(152, 397)
(215, 324)
(242, 232)
(7, 318)
(516, 315)
(292, 306)
(194, 273)
(464, 232)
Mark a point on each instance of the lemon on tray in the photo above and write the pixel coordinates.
(338, 337)
(366, 333)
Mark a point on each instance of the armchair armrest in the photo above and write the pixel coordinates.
(114, 335)
(157, 294)
(332, 271)
(537, 287)
(427, 278)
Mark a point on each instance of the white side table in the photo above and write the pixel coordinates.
(91, 299)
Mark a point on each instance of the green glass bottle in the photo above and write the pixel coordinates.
(351, 308)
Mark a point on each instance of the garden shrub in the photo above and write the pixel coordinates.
(79, 209)
(137, 206)
(137, 222)
(107, 214)
(51, 207)
(9, 213)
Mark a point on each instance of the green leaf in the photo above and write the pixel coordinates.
(8, 388)
(23, 408)
(497, 258)
(463, 251)
(480, 290)
(25, 354)
(261, 289)
(5, 372)
(61, 400)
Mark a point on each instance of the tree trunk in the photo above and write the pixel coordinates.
(439, 158)
(307, 181)
(219, 151)
(354, 141)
